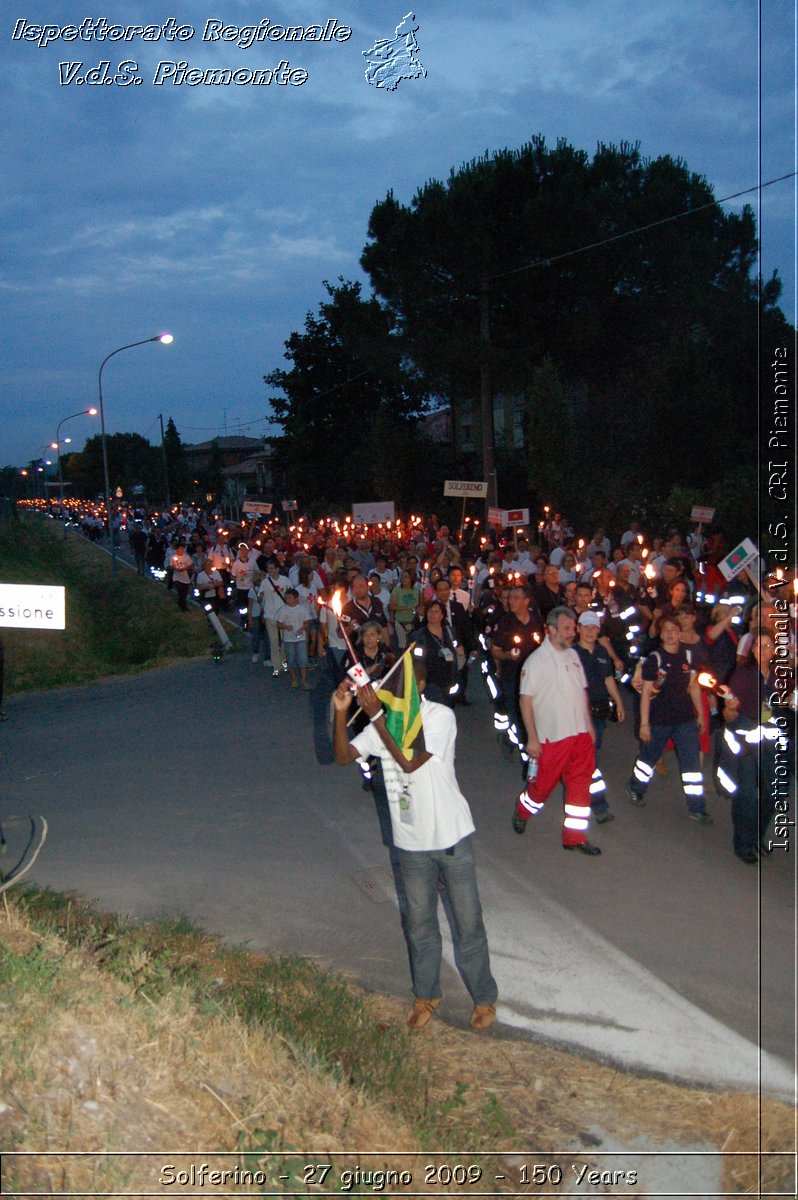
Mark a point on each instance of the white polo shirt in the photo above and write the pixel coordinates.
(438, 810)
(635, 569)
(555, 680)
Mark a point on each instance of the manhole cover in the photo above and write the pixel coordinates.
(377, 883)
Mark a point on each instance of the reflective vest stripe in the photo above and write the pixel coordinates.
(726, 781)
(731, 742)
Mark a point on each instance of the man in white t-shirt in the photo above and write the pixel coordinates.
(182, 565)
(555, 709)
(634, 561)
(271, 595)
(598, 542)
(432, 827)
(631, 534)
(242, 572)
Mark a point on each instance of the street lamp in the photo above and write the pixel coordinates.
(56, 445)
(166, 339)
(36, 467)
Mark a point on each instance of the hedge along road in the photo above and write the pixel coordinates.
(195, 790)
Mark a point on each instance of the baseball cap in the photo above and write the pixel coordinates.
(590, 618)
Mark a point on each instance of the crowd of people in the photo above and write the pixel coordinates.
(567, 633)
(655, 636)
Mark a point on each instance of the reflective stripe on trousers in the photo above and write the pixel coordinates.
(597, 786)
(573, 761)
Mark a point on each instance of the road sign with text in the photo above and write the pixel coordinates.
(32, 606)
(469, 489)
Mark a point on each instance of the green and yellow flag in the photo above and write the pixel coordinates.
(399, 694)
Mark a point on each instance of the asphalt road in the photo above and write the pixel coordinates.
(195, 790)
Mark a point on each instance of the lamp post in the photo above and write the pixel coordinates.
(36, 467)
(165, 339)
(56, 445)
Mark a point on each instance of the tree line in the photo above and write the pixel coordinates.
(611, 300)
(133, 463)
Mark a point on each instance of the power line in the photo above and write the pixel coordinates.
(258, 420)
(545, 262)
(214, 428)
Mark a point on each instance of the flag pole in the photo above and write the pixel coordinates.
(381, 682)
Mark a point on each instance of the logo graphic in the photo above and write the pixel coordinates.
(390, 60)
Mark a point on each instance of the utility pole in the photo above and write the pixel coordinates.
(486, 398)
(165, 463)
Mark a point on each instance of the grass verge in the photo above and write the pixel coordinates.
(122, 1037)
(114, 624)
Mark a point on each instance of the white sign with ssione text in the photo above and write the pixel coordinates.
(32, 606)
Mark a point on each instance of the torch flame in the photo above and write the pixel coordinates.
(336, 605)
(706, 680)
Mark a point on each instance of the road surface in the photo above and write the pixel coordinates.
(195, 790)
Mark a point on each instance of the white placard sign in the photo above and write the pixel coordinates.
(255, 506)
(373, 514)
(738, 558)
(704, 516)
(466, 488)
(32, 606)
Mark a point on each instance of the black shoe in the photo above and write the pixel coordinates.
(519, 823)
(633, 797)
(604, 816)
(748, 856)
(584, 848)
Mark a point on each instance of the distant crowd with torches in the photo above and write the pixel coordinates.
(288, 585)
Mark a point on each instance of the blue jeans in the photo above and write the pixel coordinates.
(259, 637)
(296, 654)
(421, 870)
(688, 752)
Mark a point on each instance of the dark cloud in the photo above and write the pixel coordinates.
(216, 212)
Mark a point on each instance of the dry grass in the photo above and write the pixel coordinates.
(139, 1039)
(89, 1062)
